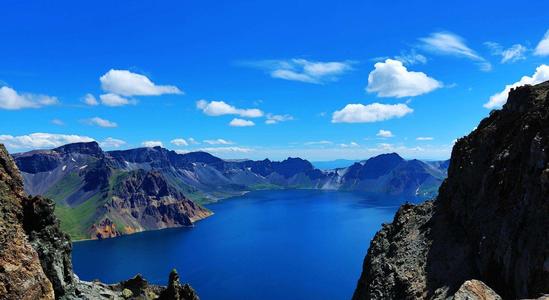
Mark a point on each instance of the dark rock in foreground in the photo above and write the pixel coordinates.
(35, 255)
(490, 221)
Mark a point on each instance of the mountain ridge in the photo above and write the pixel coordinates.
(90, 185)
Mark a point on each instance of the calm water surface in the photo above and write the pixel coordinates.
(290, 244)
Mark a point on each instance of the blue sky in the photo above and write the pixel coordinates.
(255, 79)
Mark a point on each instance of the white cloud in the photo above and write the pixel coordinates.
(226, 150)
(218, 142)
(114, 100)
(192, 141)
(151, 144)
(384, 133)
(220, 108)
(411, 58)
(126, 83)
(424, 138)
(97, 121)
(542, 49)
(41, 140)
(236, 122)
(498, 99)
(57, 122)
(392, 79)
(324, 142)
(90, 100)
(509, 55)
(451, 44)
(375, 112)
(179, 142)
(273, 119)
(305, 70)
(112, 143)
(350, 145)
(10, 99)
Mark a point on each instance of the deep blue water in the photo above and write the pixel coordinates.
(290, 244)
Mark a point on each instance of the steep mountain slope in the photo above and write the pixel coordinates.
(391, 174)
(105, 194)
(489, 221)
(35, 255)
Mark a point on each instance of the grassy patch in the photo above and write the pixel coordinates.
(64, 188)
(77, 220)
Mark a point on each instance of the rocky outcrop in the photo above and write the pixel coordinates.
(144, 200)
(474, 289)
(35, 255)
(104, 229)
(489, 221)
(21, 274)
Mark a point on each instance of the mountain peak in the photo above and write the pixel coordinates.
(90, 148)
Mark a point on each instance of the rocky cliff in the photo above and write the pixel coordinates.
(35, 255)
(489, 222)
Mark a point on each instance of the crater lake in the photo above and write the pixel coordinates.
(277, 244)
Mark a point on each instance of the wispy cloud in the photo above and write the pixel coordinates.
(323, 142)
(448, 43)
(411, 57)
(179, 142)
(112, 143)
(303, 70)
(512, 54)
(392, 79)
(349, 145)
(424, 138)
(375, 112)
(57, 122)
(218, 142)
(97, 121)
(274, 119)
(542, 49)
(12, 100)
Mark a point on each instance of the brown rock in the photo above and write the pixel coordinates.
(475, 290)
(21, 274)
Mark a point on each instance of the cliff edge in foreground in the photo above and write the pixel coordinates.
(487, 233)
(35, 255)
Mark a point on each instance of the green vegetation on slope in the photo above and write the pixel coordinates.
(64, 188)
(77, 220)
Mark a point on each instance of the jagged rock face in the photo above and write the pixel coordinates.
(144, 200)
(53, 246)
(498, 191)
(35, 255)
(489, 221)
(21, 274)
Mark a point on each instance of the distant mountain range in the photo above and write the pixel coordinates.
(107, 193)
